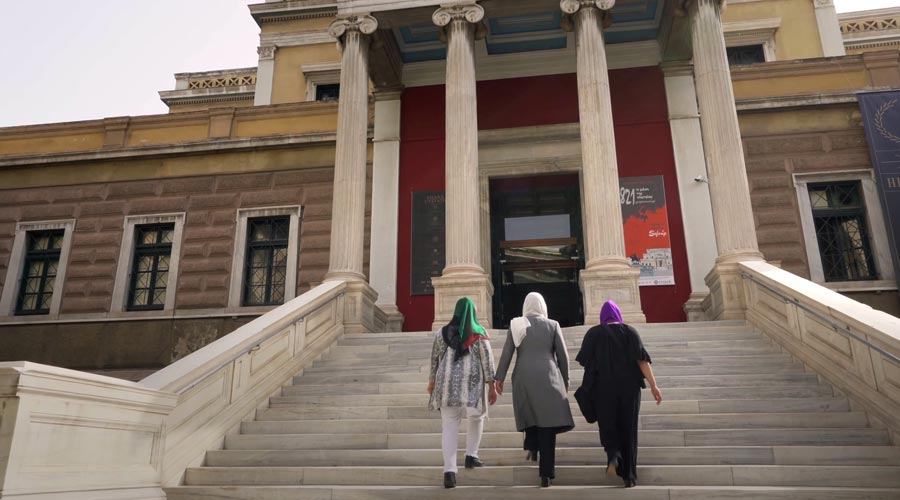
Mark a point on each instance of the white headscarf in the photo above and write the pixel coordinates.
(534, 306)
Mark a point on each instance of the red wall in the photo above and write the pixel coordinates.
(643, 145)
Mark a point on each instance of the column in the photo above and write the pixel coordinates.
(728, 186)
(693, 186)
(463, 274)
(348, 214)
(829, 28)
(265, 75)
(385, 199)
(608, 273)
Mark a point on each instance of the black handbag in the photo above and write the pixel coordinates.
(585, 398)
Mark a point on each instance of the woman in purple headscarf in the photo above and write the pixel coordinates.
(615, 366)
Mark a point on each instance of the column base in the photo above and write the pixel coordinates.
(619, 284)
(448, 289)
(359, 308)
(393, 317)
(694, 307)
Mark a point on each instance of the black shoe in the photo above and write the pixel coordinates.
(472, 462)
(545, 482)
(611, 466)
(449, 480)
(630, 483)
(532, 456)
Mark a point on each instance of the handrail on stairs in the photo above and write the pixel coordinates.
(838, 327)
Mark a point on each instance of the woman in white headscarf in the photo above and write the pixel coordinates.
(540, 382)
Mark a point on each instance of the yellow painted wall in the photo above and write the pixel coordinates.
(802, 84)
(288, 125)
(167, 135)
(187, 108)
(799, 121)
(798, 36)
(51, 143)
(320, 23)
(289, 84)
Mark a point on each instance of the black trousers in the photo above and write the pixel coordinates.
(542, 440)
(617, 417)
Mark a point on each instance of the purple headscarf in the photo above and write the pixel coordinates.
(610, 313)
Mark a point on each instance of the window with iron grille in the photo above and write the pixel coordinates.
(747, 54)
(42, 251)
(265, 268)
(839, 215)
(328, 92)
(150, 269)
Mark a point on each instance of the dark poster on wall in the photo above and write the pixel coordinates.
(881, 117)
(427, 253)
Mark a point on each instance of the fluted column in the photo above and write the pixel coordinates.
(348, 214)
(728, 187)
(608, 273)
(463, 274)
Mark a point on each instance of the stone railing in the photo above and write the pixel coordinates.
(856, 348)
(85, 436)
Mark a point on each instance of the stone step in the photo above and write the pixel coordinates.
(766, 391)
(524, 493)
(583, 437)
(527, 475)
(647, 455)
(416, 358)
(416, 350)
(385, 368)
(684, 407)
(664, 381)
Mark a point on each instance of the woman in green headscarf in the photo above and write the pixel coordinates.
(461, 365)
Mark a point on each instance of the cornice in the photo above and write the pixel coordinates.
(795, 101)
(272, 12)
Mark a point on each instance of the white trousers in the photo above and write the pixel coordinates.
(450, 421)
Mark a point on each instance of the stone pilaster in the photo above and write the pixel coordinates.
(348, 215)
(463, 274)
(608, 273)
(265, 75)
(728, 186)
(829, 28)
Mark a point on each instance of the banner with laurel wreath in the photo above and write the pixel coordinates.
(881, 118)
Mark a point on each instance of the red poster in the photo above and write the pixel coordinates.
(646, 220)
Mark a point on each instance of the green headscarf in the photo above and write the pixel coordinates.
(467, 330)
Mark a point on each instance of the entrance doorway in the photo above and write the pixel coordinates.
(536, 246)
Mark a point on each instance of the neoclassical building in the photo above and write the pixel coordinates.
(634, 150)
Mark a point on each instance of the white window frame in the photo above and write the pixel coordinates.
(238, 263)
(874, 217)
(756, 32)
(126, 260)
(17, 262)
(320, 74)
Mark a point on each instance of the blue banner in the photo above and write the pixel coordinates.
(881, 118)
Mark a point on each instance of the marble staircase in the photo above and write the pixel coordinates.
(741, 419)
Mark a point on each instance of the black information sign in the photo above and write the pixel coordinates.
(881, 115)
(427, 255)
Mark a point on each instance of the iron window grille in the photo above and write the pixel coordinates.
(150, 268)
(747, 54)
(42, 253)
(839, 216)
(328, 92)
(265, 267)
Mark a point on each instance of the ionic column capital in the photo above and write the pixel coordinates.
(363, 24)
(472, 13)
(573, 6)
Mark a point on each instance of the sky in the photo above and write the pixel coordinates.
(67, 60)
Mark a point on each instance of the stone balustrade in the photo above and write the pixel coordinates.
(70, 433)
(855, 347)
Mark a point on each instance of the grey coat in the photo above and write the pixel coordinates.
(540, 378)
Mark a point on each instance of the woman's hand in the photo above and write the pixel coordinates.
(656, 394)
(430, 387)
(499, 386)
(492, 394)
